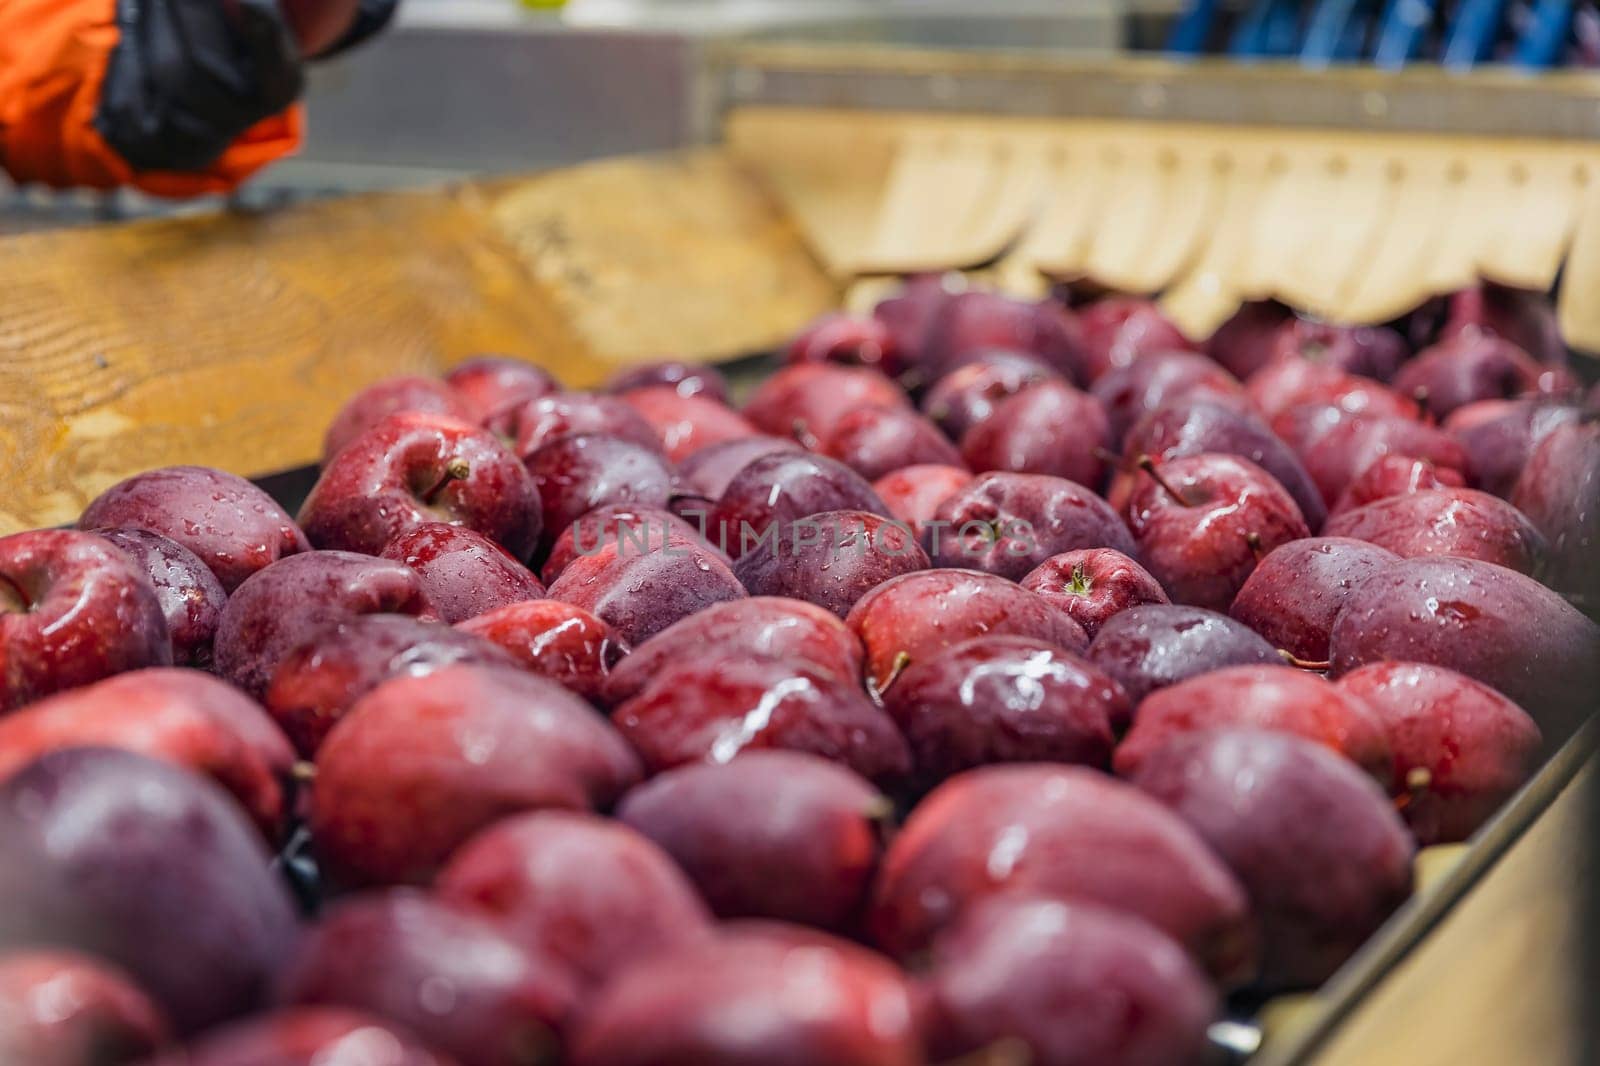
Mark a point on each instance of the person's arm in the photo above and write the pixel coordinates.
(174, 97)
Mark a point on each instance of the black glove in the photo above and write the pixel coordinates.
(185, 79)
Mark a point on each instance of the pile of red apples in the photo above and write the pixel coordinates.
(999, 682)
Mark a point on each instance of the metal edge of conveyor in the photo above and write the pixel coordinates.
(1424, 99)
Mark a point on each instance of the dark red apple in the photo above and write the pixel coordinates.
(184, 717)
(758, 627)
(1278, 698)
(853, 340)
(393, 396)
(1030, 975)
(970, 393)
(1118, 330)
(1370, 351)
(909, 316)
(686, 423)
(1460, 748)
(150, 867)
(1467, 368)
(772, 834)
(769, 494)
(1248, 340)
(1253, 796)
(191, 596)
(556, 640)
(708, 471)
(1005, 699)
(1523, 317)
(914, 618)
(874, 441)
(1129, 393)
(585, 890)
(1462, 522)
(447, 974)
(306, 1036)
(831, 559)
(464, 573)
(1298, 589)
(1500, 436)
(1154, 645)
(714, 708)
(315, 685)
(492, 384)
(74, 608)
(1285, 383)
(1008, 524)
(234, 527)
(639, 594)
(532, 425)
(574, 475)
(1395, 475)
(419, 764)
(1494, 625)
(292, 601)
(59, 1008)
(969, 323)
(1189, 427)
(754, 996)
(687, 379)
(805, 400)
(1063, 832)
(1559, 491)
(913, 493)
(413, 469)
(1203, 521)
(1049, 428)
(1349, 443)
(630, 529)
(1092, 584)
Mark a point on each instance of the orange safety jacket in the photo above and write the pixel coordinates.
(173, 97)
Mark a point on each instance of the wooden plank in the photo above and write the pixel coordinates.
(231, 341)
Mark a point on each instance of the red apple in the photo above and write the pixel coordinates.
(1129, 393)
(758, 627)
(1203, 521)
(853, 340)
(1062, 832)
(1559, 491)
(765, 498)
(1449, 521)
(708, 471)
(315, 685)
(909, 316)
(1119, 329)
(831, 559)
(74, 608)
(1093, 584)
(1247, 341)
(1279, 698)
(1298, 589)
(1349, 443)
(687, 379)
(915, 617)
(556, 640)
(629, 528)
(548, 419)
(805, 400)
(59, 1008)
(686, 423)
(419, 764)
(1154, 645)
(1467, 368)
(1500, 436)
(1048, 428)
(713, 709)
(913, 493)
(413, 469)
(970, 393)
(638, 594)
(492, 384)
(1523, 317)
(772, 834)
(1289, 382)
(1315, 843)
(234, 527)
(1371, 351)
(191, 596)
(292, 601)
(585, 890)
(464, 573)
(574, 475)
(971, 322)
(393, 396)
(1007, 524)
(183, 717)
(1395, 475)
(874, 441)
(305, 1036)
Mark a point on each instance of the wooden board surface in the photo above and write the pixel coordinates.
(231, 341)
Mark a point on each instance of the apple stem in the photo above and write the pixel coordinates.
(1148, 465)
(1079, 585)
(304, 771)
(1418, 780)
(1319, 665)
(896, 668)
(1253, 540)
(455, 470)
